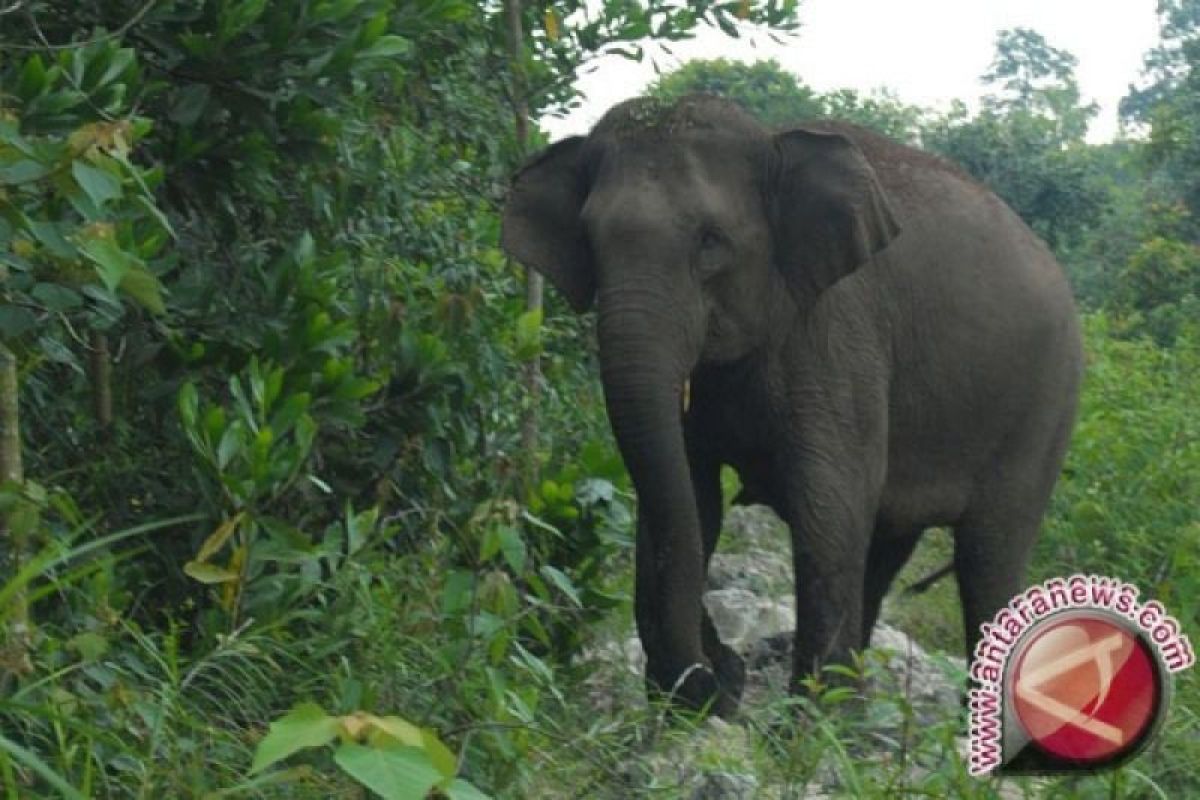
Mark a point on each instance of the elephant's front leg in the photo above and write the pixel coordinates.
(730, 669)
(831, 522)
(690, 680)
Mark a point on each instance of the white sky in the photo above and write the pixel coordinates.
(928, 51)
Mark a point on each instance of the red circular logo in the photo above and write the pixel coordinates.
(1085, 688)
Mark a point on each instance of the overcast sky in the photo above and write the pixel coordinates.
(928, 51)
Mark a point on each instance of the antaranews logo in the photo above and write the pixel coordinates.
(1072, 675)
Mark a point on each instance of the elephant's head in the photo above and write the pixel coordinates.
(692, 229)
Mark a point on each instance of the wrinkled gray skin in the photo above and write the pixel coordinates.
(874, 341)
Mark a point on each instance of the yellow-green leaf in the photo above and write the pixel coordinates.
(442, 758)
(212, 545)
(140, 284)
(395, 728)
(209, 573)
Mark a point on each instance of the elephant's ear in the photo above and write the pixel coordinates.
(541, 227)
(830, 215)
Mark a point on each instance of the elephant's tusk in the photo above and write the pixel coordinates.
(687, 395)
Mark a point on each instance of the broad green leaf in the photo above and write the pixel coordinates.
(209, 573)
(141, 284)
(121, 61)
(559, 579)
(456, 593)
(306, 725)
(458, 789)
(32, 81)
(23, 171)
(404, 773)
(112, 263)
(490, 545)
(388, 46)
(396, 729)
(439, 755)
(55, 297)
(15, 321)
(99, 185)
(50, 236)
(512, 546)
(529, 334)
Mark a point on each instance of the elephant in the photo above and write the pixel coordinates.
(871, 339)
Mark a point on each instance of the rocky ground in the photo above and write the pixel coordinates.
(750, 600)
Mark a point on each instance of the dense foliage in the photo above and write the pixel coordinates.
(266, 528)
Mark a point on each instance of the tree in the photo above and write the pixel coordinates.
(763, 88)
(778, 97)
(1168, 107)
(1168, 65)
(1028, 76)
(1027, 141)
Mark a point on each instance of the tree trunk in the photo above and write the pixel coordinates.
(101, 369)
(15, 655)
(534, 286)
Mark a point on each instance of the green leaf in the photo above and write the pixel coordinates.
(404, 773)
(559, 579)
(209, 573)
(513, 549)
(90, 645)
(30, 759)
(140, 284)
(15, 321)
(189, 402)
(189, 104)
(56, 298)
(33, 78)
(386, 47)
(306, 725)
(458, 789)
(529, 334)
(443, 760)
(232, 442)
(23, 171)
(236, 18)
(49, 235)
(112, 263)
(305, 249)
(121, 61)
(217, 539)
(99, 185)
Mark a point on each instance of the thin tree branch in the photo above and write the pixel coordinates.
(45, 45)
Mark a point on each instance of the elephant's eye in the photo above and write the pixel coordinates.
(712, 251)
(710, 238)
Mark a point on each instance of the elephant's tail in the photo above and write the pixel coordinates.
(923, 585)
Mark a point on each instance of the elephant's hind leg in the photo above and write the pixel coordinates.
(994, 539)
(890, 550)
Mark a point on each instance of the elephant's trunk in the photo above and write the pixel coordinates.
(646, 354)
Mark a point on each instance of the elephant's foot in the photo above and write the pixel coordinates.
(700, 688)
